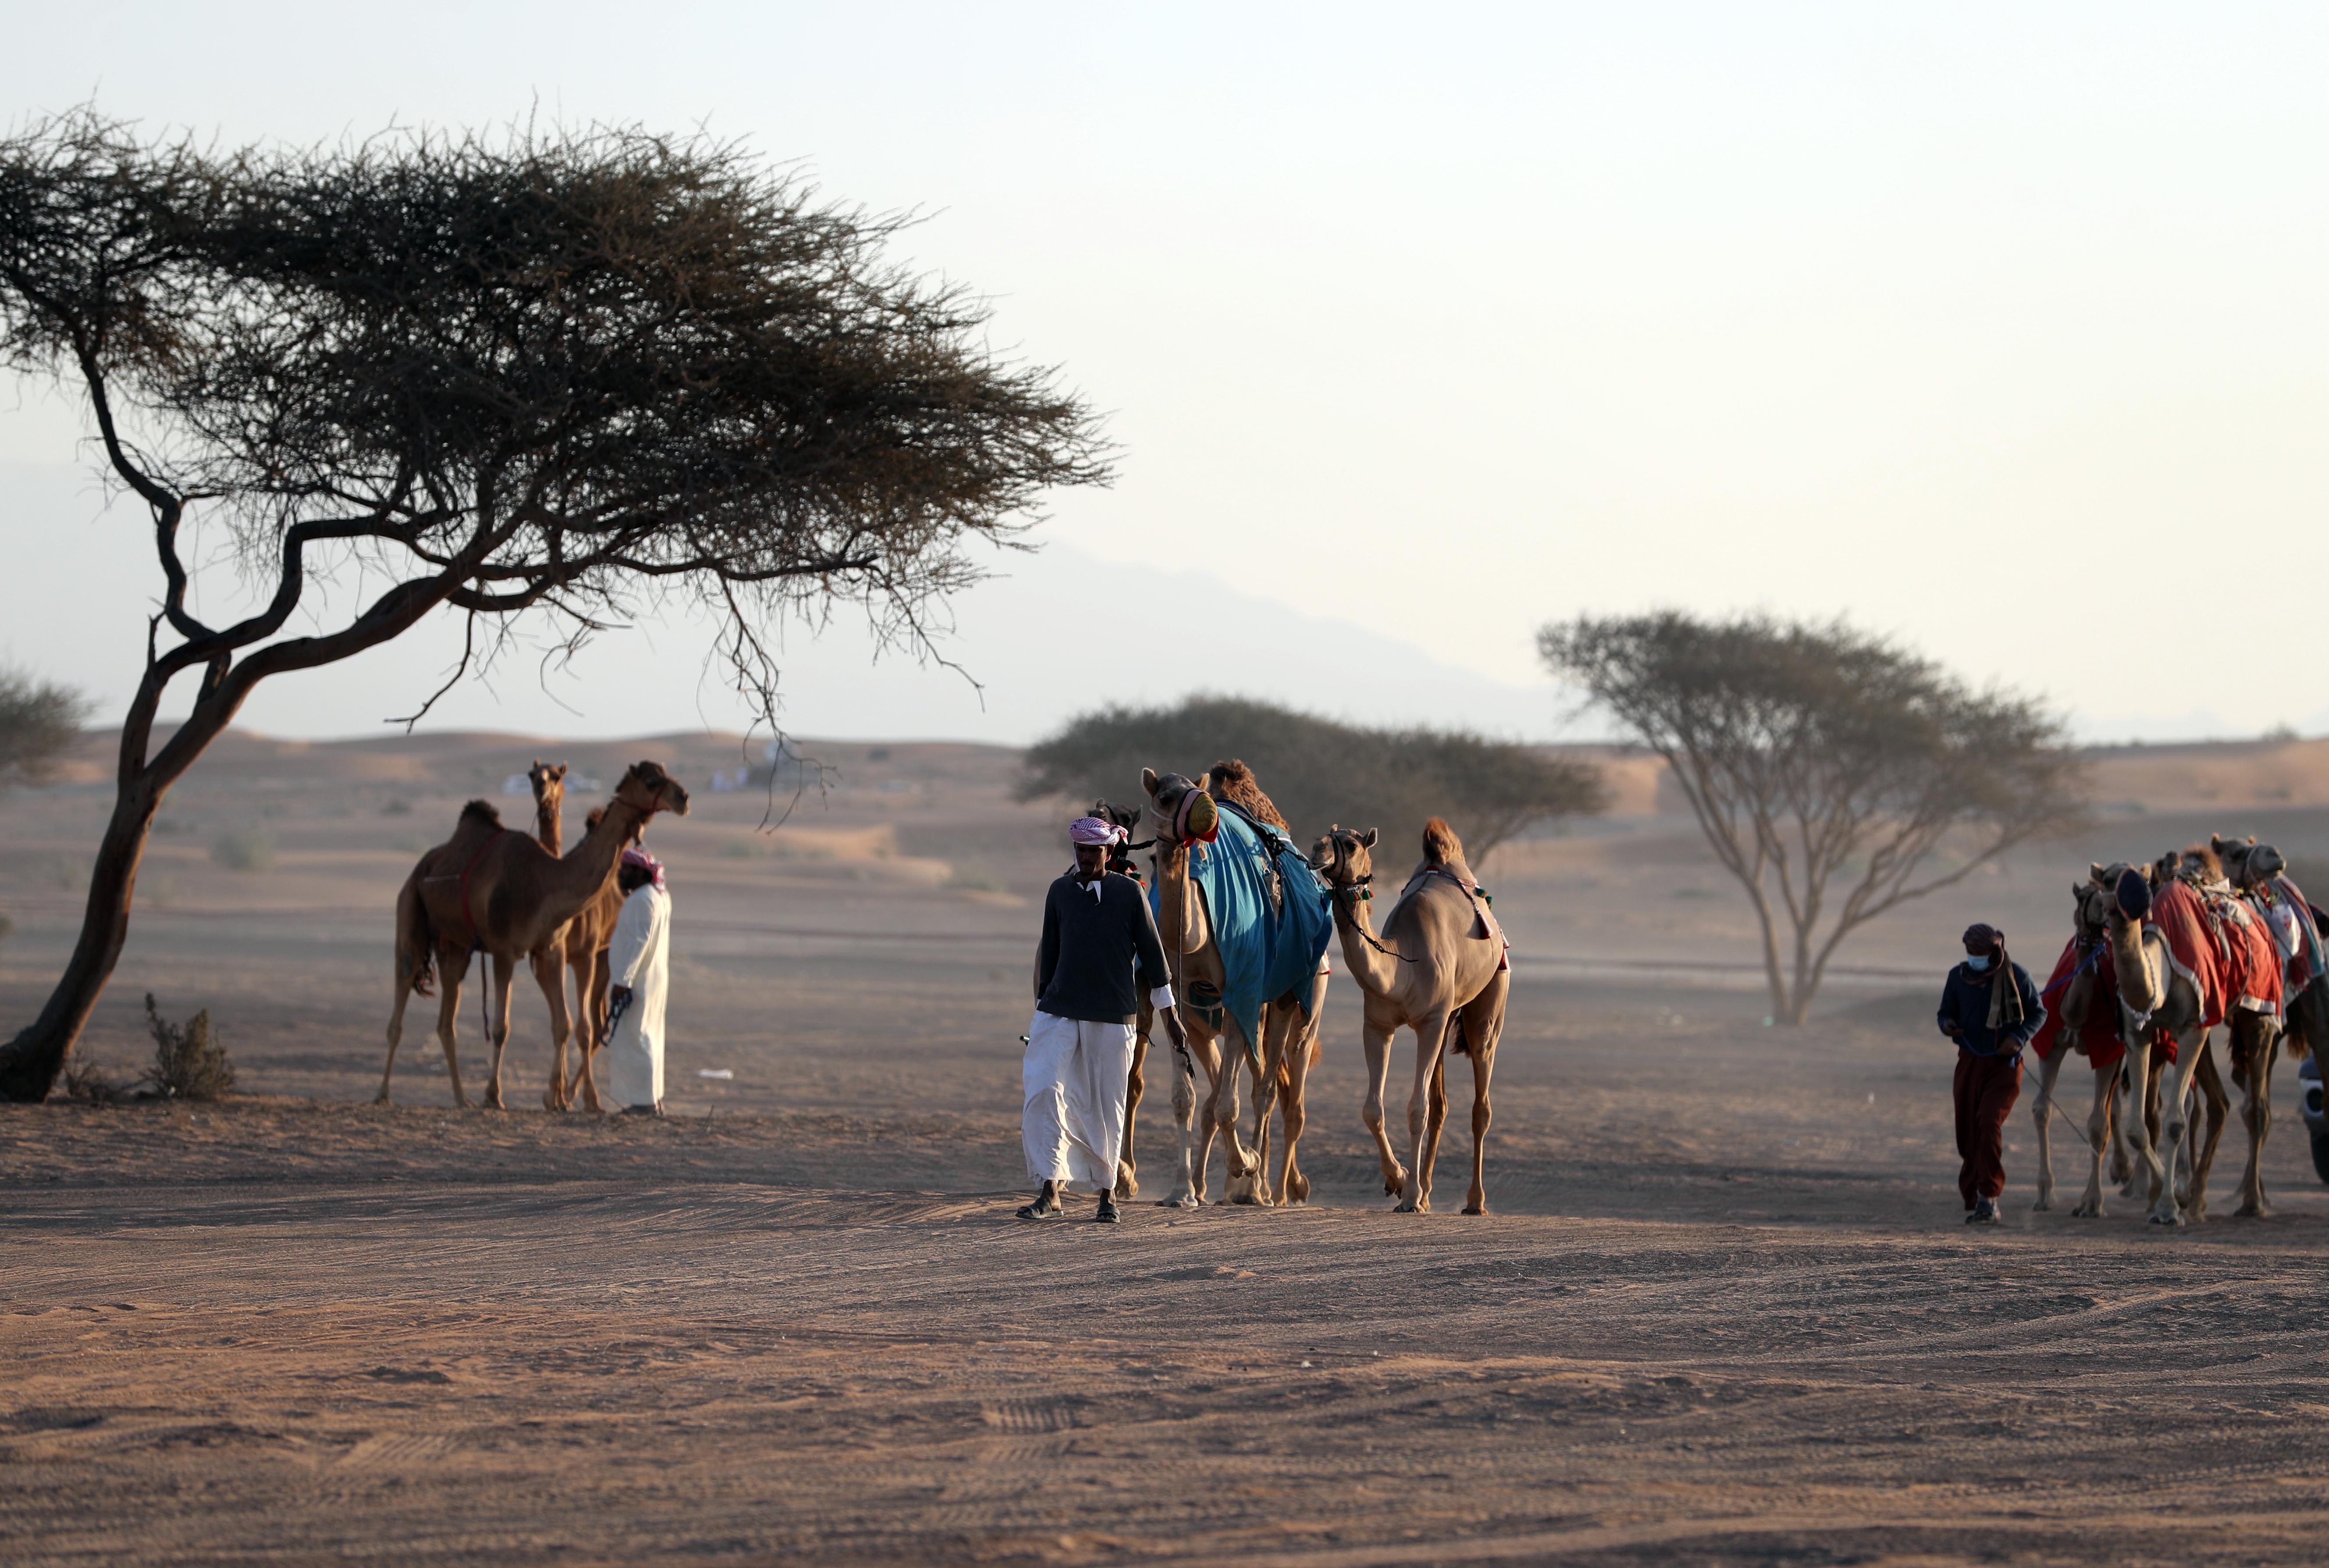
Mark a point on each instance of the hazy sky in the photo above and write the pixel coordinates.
(2003, 328)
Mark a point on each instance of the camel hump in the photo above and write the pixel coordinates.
(484, 811)
(1234, 781)
(1440, 845)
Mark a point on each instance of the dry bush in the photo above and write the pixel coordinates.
(91, 1084)
(189, 1064)
(244, 851)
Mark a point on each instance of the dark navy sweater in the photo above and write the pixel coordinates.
(1966, 1002)
(1091, 949)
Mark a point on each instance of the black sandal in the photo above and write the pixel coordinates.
(1039, 1210)
(1107, 1215)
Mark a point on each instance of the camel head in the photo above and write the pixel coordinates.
(646, 788)
(2124, 900)
(2238, 856)
(1181, 812)
(549, 781)
(1344, 856)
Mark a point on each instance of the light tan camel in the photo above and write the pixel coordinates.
(1217, 1041)
(2156, 1001)
(497, 891)
(1438, 968)
(579, 946)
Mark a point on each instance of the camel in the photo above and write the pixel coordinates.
(579, 945)
(497, 891)
(1439, 968)
(2080, 998)
(2251, 871)
(2156, 1001)
(1220, 1047)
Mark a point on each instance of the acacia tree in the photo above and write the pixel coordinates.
(1318, 772)
(1827, 767)
(538, 381)
(38, 721)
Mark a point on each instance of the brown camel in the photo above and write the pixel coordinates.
(1438, 968)
(2247, 871)
(497, 891)
(1217, 1041)
(580, 945)
(2075, 1005)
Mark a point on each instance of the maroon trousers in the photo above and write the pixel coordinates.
(1985, 1089)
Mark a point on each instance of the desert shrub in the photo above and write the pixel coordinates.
(244, 851)
(189, 1064)
(744, 849)
(91, 1084)
(396, 807)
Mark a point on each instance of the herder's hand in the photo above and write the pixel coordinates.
(1170, 1018)
(618, 996)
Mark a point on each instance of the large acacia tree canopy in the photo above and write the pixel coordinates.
(1320, 772)
(540, 372)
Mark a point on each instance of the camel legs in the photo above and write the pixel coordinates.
(395, 1026)
(1430, 1044)
(2252, 1071)
(1376, 1037)
(549, 966)
(2174, 1127)
(1128, 1169)
(501, 980)
(2100, 1130)
(1435, 1119)
(452, 969)
(1483, 1023)
(1283, 1034)
(1293, 1186)
(1196, 1142)
(2146, 1174)
(2208, 1091)
(2041, 1111)
(590, 983)
(1222, 1111)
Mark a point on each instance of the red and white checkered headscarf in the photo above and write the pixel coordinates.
(646, 862)
(1095, 830)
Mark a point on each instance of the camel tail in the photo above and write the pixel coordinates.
(1440, 845)
(416, 942)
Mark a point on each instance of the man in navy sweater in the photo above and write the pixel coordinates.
(1099, 948)
(1991, 1008)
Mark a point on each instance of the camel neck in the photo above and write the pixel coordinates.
(547, 825)
(1375, 971)
(590, 864)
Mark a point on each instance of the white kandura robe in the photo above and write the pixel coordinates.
(640, 958)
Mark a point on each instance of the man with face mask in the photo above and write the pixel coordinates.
(1991, 1008)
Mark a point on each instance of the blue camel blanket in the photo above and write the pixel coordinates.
(1270, 915)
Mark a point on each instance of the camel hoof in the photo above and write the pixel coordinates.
(2087, 1212)
(1405, 1208)
(382, 1098)
(2251, 1212)
(1475, 1208)
(2166, 1219)
(2044, 1205)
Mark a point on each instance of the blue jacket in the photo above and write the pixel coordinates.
(1966, 1002)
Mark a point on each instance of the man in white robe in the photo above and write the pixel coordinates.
(638, 963)
(1099, 950)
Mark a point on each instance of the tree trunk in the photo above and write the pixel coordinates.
(30, 1063)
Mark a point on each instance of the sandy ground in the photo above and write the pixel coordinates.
(1723, 1310)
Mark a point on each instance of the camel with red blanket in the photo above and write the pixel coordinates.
(2082, 1017)
(2170, 991)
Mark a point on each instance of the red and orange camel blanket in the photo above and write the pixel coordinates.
(2215, 941)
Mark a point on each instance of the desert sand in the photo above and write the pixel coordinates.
(1723, 1310)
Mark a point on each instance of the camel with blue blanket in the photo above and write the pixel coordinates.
(1245, 926)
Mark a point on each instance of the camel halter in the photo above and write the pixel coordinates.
(1194, 806)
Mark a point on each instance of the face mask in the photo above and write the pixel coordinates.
(1978, 964)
